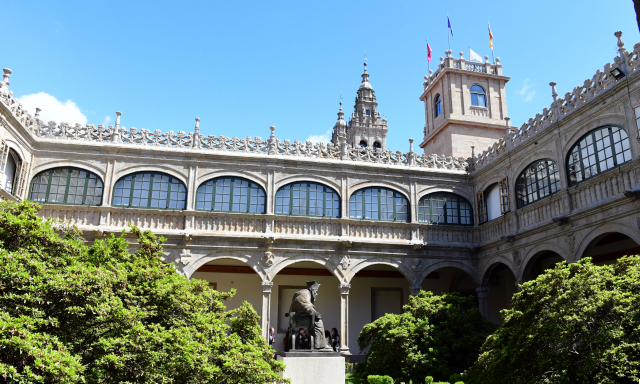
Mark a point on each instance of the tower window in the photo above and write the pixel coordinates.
(478, 96)
(368, 112)
(363, 143)
(437, 106)
(376, 144)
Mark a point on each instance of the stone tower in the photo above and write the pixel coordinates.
(366, 127)
(464, 105)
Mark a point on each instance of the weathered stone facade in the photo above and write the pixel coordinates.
(253, 250)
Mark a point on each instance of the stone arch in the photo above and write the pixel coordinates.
(190, 269)
(451, 264)
(283, 263)
(489, 182)
(13, 144)
(527, 161)
(602, 230)
(79, 164)
(400, 188)
(150, 168)
(490, 265)
(239, 173)
(535, 251)
(450, 189)
(304, 178)
(362, 264)
(499, 290)
(606, 119)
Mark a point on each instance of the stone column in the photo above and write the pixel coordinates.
(483, 295)
(265, 319)
(415, 290)
(344, 319)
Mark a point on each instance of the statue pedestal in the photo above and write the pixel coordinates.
(307, 367)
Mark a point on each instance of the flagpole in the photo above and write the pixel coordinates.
(448, 38)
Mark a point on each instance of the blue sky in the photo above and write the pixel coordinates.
(242, 66)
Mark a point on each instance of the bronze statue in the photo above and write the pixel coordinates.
(302, 314)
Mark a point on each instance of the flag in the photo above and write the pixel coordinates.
(474, 56)
(490, 37)
(429, 50)
(449, 25)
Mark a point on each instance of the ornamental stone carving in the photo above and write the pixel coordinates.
(344, 262)
(517, 259)
(268, 259)
(185, 257)
(417, 265)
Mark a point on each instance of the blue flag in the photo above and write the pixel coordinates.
(449, 24)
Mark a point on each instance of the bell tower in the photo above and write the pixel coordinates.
(464, 105)
(366, 127)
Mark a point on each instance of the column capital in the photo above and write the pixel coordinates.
(483, 292)
(344, 288)
(266, 286)
(415, 290)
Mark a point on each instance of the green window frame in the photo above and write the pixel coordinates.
(538, 180)
(596, 152)
(150, 190)
(66, 185)
(307, 199)
(445, 208)
(377, 203)
(231, 194)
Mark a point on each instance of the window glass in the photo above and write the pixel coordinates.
(378, 204)
(445, 208)
(598, 151)
(232, 194)
(437, 106)
(150, 190)
(67, 186)
(478, 96)
(540, 179)
(307, 199)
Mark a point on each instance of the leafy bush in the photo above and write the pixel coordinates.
(436, 335)
(576, 323)
(374, 379)
(75, 314)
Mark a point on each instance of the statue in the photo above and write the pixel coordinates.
(302, 314)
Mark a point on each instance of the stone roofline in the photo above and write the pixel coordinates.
(561, 108)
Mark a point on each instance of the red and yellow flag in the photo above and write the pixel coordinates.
(490, 37)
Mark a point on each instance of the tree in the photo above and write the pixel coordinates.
(434, 336)
(576, 323)
(74, 314)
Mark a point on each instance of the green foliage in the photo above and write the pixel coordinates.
(576, 323)
(436, 335)
(429, 380)
(375, 379)
(73, 314)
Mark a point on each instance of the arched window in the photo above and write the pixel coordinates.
(150, 190)
(376, 144)
(540, 179)
(378, 204)
(363, 143)
(230, 194)
(445, 208)
(67, 186)
(307, 199)
(478, 96)
(12, 171)
(596, 152)
(437, 106)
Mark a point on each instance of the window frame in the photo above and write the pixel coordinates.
(446, 196)
(68, 185)
(363, 142)
(503, 189)
(476, 93)
(520, 203)
(231, 196)
(308, 200)
(150, 190)
(363, 209)
(636, 111)
(481, 208)
(437, 106)
(596, 153)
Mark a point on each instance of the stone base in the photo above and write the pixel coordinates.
(313, 367)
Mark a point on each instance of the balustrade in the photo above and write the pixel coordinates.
(308, 226)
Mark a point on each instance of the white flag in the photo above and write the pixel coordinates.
(474, 56)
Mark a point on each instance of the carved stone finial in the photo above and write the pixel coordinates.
(410, 145)
(118, 114)
(273, 131)
(37, 113)
(197, 128)
(497, 60)
(486, 59)
(7, 74)
(507, 119)
(430, 72)
(554, 93)
(461, 54)
(618, 34)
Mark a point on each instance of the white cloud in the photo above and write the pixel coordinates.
(53, 109)
(107, 120)
(320, 138)
(526, 91)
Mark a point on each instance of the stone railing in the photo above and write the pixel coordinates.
(307, 226)
(445, 234)
(379, 230)
(627, 62)
(194, 140)
(450, 62)
(611, 184)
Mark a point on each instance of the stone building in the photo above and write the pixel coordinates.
(372, 226)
